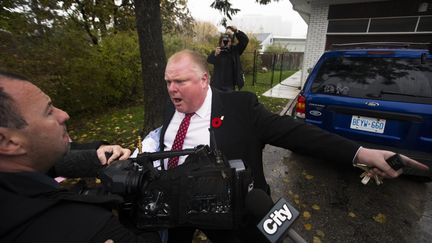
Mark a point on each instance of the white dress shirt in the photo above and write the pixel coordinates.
(198, 131)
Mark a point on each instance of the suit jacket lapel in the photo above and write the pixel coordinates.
(169, 113)
(217, 110)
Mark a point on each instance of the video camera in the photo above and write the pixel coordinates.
(225, 38)
(206, 191)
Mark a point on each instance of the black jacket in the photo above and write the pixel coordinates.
(34, 208)
(248, 126)
(228, 72)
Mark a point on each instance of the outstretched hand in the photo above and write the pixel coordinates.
(376, 159)
(117, 153)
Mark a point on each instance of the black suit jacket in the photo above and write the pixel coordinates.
(34, 208)
(248, 126)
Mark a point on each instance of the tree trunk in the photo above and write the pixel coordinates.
(153, 61)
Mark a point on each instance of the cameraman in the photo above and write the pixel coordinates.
(33, 207)
(227, 72)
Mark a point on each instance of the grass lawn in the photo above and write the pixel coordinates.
(121, 125)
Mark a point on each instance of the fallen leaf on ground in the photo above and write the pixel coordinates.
(320, 233)
(306, 215)
(316, 239)
(380, 218)
(308, 226)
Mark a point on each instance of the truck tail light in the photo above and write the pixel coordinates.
(300, 107)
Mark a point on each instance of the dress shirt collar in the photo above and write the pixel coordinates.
(205, 109)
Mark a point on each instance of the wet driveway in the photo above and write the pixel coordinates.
(335, 207)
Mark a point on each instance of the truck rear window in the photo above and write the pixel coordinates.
(384, 78)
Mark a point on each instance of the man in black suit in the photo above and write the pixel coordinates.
(242, 127)
(33, 207)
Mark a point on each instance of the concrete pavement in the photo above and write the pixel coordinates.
(287, 89)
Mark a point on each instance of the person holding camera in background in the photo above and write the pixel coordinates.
(227, 72)
(33, 145)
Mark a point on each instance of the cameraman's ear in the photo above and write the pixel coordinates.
(10, 143)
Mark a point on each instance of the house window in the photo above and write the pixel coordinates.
(403, 24)
(351, 25)
(425, 24)
(413, 24)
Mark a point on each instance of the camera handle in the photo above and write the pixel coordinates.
(147, 157)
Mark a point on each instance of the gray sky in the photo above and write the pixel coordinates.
(277, 17)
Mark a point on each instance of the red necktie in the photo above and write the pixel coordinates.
(179, 139)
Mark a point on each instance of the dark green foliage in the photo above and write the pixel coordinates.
(78, 76)
(108, 75)
(85, 54)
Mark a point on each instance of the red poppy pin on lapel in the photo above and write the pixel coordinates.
(217, 121)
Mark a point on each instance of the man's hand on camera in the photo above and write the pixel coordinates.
(231, 28)
(116, 151)
(217, 51)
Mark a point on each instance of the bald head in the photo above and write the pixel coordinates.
(198, 61)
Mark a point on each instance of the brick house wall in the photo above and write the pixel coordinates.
(316, 36)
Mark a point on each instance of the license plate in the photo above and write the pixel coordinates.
(369, 124)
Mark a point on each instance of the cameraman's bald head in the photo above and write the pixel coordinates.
(33, 132)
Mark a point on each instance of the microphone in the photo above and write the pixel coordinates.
(277, 218)
(217, 152)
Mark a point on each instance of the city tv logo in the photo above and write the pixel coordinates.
(277, 221)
